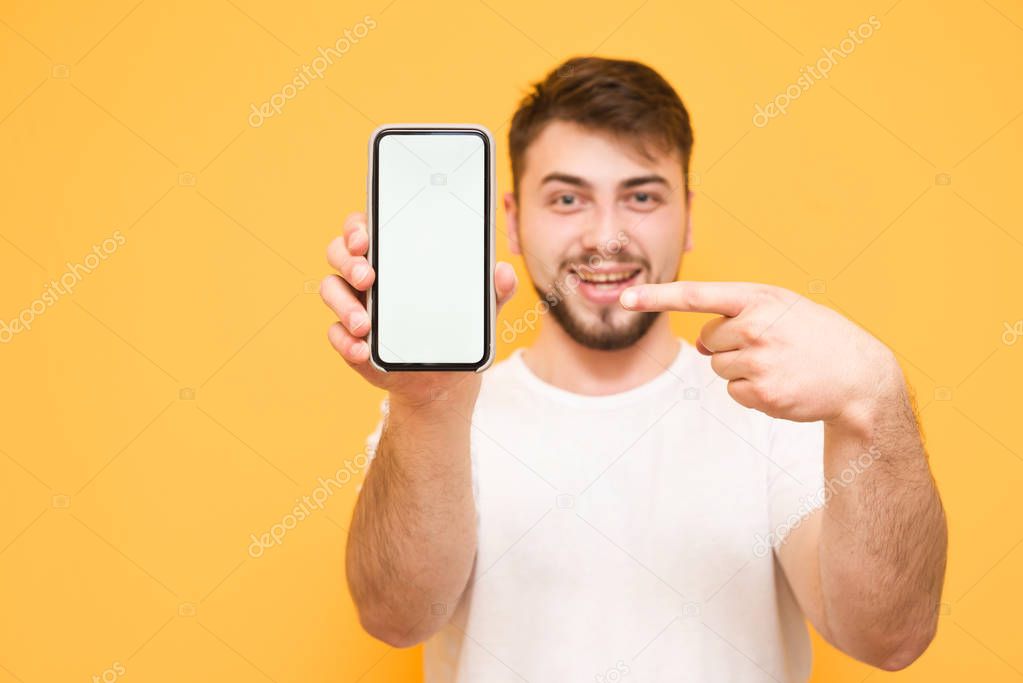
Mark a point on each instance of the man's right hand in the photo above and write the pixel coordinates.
(345, 295)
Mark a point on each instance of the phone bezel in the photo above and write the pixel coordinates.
(489, 190)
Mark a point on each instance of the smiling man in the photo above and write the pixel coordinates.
(614, 501)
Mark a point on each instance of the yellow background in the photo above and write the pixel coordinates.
(184, 395)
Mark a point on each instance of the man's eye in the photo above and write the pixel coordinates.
(645, 199)
(565, 200)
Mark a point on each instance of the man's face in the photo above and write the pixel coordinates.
(593, 217)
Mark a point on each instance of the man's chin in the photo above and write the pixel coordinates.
(603, 335)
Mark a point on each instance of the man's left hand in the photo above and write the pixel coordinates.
(781, 353)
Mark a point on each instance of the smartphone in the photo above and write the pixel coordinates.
(430, 209)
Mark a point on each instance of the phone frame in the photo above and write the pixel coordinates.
(489, 193)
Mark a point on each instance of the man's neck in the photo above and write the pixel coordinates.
(559, 360)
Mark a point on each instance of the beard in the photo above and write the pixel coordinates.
(603, 334)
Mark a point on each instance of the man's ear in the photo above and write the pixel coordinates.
(688, 244)
(511, 216)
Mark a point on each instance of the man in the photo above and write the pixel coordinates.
(614, 501)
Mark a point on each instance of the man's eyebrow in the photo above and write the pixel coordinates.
(565, 178)
(625, 184)
(643, 180)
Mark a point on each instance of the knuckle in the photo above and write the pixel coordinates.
(765, 338)
(735, 393)
(361, 271)
(781, 295)
(756, 364)
(354, 221)
(336, 250)
(770, 396)
(335, 335)
(763, 393)
(757, 327)
(348, 266)
(718, 363)
(689, 298)
(747, 333)
(325, 286)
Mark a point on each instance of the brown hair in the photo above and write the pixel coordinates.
(622, 97)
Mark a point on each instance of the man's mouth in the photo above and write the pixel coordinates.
(606, 279)
(604, 286)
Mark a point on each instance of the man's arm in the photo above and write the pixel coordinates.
(413, 536)
(868, 567)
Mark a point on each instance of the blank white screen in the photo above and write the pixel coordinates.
(431, 255)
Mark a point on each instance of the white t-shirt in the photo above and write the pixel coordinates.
(629, 536)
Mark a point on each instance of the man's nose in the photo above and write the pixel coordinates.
(604, 227)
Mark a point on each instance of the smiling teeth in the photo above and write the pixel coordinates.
(606, 277)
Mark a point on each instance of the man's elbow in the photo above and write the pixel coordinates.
(389, 634)
(897, 652)
(394, 630)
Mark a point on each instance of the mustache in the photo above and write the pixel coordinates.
(594, 261)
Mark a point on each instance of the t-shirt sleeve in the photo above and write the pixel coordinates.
(795, 483)
(374, 437)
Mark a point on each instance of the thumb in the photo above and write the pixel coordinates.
(505, 283)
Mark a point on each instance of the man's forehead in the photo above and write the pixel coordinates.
(596, 155)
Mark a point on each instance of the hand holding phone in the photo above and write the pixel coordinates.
(345, 295)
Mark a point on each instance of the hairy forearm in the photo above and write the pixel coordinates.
(413, 535)
(883, 533)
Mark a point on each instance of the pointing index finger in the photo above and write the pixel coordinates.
(725, 298)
